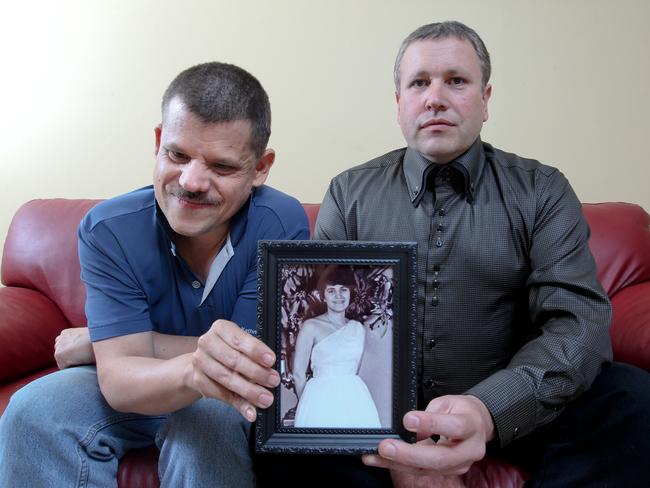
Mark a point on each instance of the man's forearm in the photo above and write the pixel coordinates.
(149, 386)
(168, 346)
(72, 346)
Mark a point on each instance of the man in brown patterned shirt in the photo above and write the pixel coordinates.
(514, 352)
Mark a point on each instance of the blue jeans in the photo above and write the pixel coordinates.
(59, 431)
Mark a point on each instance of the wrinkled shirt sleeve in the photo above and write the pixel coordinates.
(570, 309)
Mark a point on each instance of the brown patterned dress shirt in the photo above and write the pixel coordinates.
(509, 306)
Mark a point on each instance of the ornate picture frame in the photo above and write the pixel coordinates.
(340, 317)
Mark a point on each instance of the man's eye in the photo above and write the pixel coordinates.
(457, 80)
(223, 168)
(176, 156)
(419, 83)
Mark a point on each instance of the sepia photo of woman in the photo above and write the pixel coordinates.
(335, 396)
(336, 360)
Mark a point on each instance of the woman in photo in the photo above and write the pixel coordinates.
(335, 396)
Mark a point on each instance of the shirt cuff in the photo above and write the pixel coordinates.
(511, 402)
(108, 331)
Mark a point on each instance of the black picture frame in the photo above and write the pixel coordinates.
(382, 298)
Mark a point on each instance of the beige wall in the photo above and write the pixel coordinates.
(81, 83)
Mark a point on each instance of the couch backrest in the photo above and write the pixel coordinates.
(41, 248)
(620, 243)
(311, 209)
(40, 251)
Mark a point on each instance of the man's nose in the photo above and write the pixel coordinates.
(436, 98)
(194, 177)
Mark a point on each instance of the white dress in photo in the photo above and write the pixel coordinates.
(336, 397)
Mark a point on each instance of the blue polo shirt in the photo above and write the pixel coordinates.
(135, 281)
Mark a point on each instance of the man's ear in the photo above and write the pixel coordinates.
(487, 93)
(397, 100)
(263, 166)
(158, 132)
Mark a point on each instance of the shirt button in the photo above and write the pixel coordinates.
(196, 284)
(515, 432)
(434, 301)
(432, 343)
(440, 227)
(429, 383)
(436, 283)
(441, 212)
(439, 243)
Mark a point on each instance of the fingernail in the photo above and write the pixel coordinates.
(265, 400)
(250, 414)
(274, 380)
(389, 451)
(369, 460)
(268, 359)
(411, 422)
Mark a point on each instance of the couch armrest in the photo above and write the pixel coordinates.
(630, 329)
(29, 323)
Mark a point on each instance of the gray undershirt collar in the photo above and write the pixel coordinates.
(216, 268)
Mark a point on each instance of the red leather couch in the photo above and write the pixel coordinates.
(43, 295)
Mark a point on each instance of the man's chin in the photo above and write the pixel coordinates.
(432, 147)
(193, 229)
(439, 154)
(188, 229)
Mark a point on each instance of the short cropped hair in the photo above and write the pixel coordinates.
(444, 30)
(337, 275)
(221, 92)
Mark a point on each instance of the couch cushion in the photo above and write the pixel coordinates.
(29, 323)
(630, 330)
(139, 468)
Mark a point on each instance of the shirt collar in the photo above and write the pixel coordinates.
(161, 221)
(417, 169)
(216, 268)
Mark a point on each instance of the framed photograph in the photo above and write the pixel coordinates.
(340, 317)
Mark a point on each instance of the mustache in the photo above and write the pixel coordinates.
(194, 196)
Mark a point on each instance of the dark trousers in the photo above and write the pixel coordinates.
(602, 439)
(313, 470)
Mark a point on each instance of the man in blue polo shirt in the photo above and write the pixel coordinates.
(170, 274)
